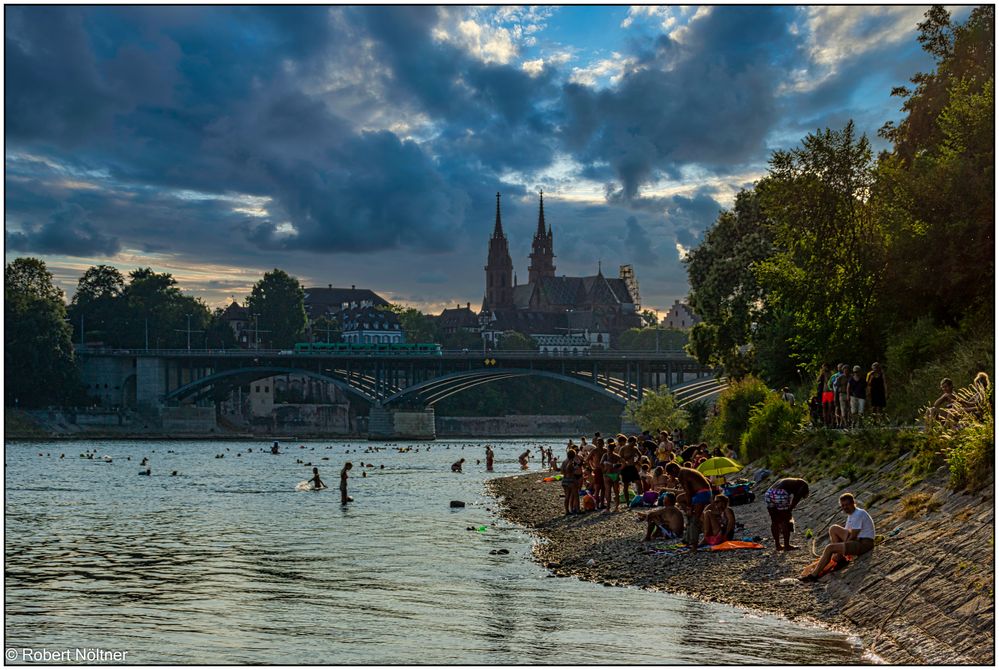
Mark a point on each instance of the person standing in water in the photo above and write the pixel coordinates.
(344, 498)
(489, 458)
(317, 483)
(523, 459)
(456, 466)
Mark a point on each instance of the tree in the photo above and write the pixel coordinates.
(830, 247)
(153, 303)
(418, 326)
(511, 340)
(218, 333)
(39, 368)
(724, 289)
(97, 306)
(939, 179)
(647, 339)
(656, 411)
(278, 300)
(326, 329)
(649, 318)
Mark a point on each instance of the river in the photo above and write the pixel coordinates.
(225, 562)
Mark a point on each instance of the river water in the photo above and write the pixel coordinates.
(227, 563)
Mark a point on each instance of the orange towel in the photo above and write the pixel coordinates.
(736, 544)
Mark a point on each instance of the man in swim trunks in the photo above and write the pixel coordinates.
(594, 459)
(697, 490)
(489, 458)
(781, 499)
(719, 521)
(628, 451)
(317, 483)
(665, 521)
(856, 539)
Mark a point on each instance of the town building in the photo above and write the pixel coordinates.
(597, 306)
(369, 325)
(451, 321)
(680, 317)
(239, 320)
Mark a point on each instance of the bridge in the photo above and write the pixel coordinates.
(395, 384)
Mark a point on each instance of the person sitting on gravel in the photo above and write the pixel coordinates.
(781, 499)
(665, 522)
(856, 539)
(718, 521)
(697, 490)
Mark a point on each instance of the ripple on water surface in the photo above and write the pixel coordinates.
(227, 563)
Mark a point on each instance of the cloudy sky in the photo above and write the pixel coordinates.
(365, 145)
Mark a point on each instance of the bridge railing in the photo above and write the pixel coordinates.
(452, 354)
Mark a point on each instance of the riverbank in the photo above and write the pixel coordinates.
(924, 596)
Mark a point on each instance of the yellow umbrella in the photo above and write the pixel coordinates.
(718, 465)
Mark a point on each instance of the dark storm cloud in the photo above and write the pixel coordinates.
(638, 243)
(708, 100)
(689, 217)
(68, 231)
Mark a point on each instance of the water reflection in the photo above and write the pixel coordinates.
(227, 563)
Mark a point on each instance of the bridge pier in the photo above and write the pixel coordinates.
(401, 424)
(150, 381)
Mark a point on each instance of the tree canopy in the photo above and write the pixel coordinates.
(39, 368)
(835, 251)
(278, 301)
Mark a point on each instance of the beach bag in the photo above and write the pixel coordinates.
(739, 493)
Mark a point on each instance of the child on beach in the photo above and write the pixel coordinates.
(718, 521)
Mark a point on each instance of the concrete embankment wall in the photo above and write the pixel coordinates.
(200, 420)
(514, 426)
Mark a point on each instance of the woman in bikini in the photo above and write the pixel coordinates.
(611, 465)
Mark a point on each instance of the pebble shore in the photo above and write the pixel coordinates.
(607, 548)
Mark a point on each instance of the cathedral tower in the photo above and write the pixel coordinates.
(542, 256)
(499, 268)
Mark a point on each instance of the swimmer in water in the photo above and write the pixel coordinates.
(317, 483)
(456, 466)
(344, 498)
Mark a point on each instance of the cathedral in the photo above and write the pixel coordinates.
(587, 310)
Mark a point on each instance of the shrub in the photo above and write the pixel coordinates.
(910, 388)
(657, 411)
(697, 415)
(969, 439)
(734, 404)
(771, 423)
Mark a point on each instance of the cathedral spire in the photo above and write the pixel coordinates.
(498, 229)
(541, 214)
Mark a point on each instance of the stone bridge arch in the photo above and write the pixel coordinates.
(432, 391)
(251, 374)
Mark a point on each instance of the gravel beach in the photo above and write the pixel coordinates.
(877, 598)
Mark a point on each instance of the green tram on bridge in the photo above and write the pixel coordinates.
(365, 347)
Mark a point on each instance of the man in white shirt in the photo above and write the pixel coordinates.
(854, 540)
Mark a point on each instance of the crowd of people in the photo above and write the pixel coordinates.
(843, 396)
(646, 471)
(683, 504)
